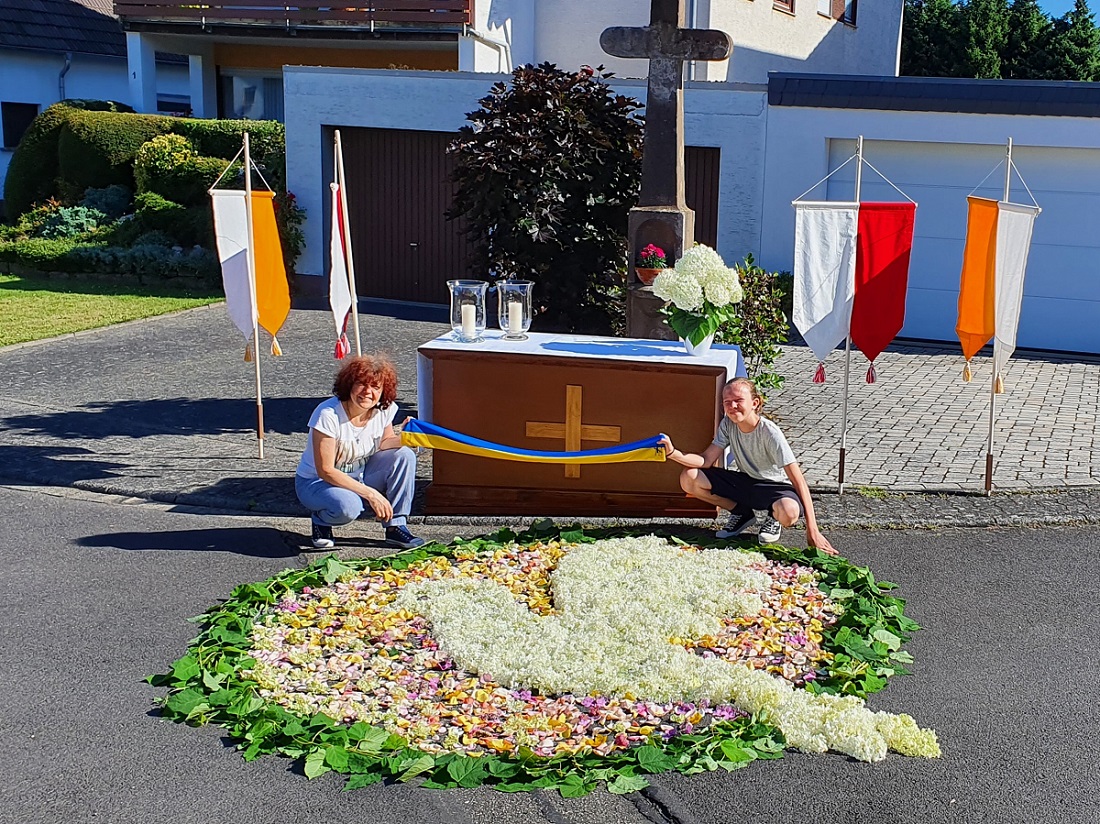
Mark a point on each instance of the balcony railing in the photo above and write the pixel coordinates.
(428, 13)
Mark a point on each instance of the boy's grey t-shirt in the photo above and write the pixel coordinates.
(761, 453)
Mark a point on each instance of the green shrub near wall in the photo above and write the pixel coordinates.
(97, 149)
(68, 149)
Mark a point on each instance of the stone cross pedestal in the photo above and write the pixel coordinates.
(661, 216)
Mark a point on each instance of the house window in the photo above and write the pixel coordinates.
(783, 5)
(177, 104)
(842, 10)
(17, 118)
(251, 95)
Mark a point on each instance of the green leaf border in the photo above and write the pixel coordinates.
(204, 685)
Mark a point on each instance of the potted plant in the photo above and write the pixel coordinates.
(701, 292)
(651, 260)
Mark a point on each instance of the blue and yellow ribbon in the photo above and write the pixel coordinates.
(421, 433)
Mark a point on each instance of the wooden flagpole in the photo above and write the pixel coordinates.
(346, 234)
(993, 377)
(252, 294)
(848, 342)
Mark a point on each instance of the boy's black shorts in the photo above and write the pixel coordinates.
(749, 492)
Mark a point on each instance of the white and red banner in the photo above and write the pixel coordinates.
(339, 291)
(851, 270)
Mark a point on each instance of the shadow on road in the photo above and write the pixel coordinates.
(253, 542)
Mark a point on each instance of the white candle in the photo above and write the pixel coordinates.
(515, 318)
(469, 321)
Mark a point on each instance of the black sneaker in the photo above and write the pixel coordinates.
(737, 524)
(322, 537)
(770, 531)
(399, 536)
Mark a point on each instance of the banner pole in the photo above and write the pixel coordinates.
(252, 292)
(346, 234)
(848, 344)
(993, 377)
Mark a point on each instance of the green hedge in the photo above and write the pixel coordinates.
(69, 148)
(97, 149)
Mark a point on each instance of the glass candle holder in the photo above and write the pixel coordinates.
(514, 309)
(467, 309)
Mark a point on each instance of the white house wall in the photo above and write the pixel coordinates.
(938, 159)
(727, 116)
(32, 77)
(567, 33)
(766, 39)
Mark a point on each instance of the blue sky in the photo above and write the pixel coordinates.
(1056, 8)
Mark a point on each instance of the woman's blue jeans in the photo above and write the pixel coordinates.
(391, 471)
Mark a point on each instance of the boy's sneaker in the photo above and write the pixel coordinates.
(399, 536)
(737, 524)
(322, 537)
(770, 531)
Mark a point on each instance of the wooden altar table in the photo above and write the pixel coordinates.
(566, 393)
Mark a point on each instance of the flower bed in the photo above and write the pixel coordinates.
(551, 660)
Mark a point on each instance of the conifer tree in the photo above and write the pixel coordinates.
(1027, 54)
(1076, 46)
(987, 36)
(931, 39)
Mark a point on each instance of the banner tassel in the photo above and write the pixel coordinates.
(998, 386)
(276, 350)
(819, 375)
(248, 352)
(342, 348)
(872, 375)
(966, 372)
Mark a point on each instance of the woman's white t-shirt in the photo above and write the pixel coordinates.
(354, 444)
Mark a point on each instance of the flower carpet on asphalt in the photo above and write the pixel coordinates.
(552, 659)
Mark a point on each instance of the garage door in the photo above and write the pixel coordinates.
(1061, 307)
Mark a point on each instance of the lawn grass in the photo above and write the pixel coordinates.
(32, 308)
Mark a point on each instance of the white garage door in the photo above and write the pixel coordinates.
(1061, 308)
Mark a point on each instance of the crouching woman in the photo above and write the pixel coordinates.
(354, 459)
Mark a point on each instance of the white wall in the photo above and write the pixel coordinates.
(32, 77)
(728, 116)
(567, 32)
(938, 159)
(769, 40)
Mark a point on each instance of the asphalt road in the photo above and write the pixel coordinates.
(96, 593)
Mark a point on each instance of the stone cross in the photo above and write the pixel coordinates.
(662, 216)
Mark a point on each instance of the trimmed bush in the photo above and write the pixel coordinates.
(39, 253)
(72, 221)
(113, 201)
(223, 138)
(97, 149)
(32, 173)
(168, 166)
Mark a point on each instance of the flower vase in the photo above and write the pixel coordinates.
(647, 275)
(698, 349)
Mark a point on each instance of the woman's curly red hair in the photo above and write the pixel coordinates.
(371, 370)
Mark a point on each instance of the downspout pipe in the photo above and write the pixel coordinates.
(61, 77)
(501, 46)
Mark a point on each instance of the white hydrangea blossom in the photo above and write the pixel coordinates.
(683, 291)
(619, 602)
(700, 274)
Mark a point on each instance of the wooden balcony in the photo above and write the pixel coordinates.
(406, 14)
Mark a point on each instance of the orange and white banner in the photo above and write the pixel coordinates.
(991, 289)
(267, 300)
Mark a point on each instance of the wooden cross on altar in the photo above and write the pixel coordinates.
(667, 45)
(573, 431)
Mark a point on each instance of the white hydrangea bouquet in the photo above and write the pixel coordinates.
(701, 292)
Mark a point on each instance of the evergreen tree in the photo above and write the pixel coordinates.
(931, 39)
(986, 36)
(1076, 45)
(1027, 54)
